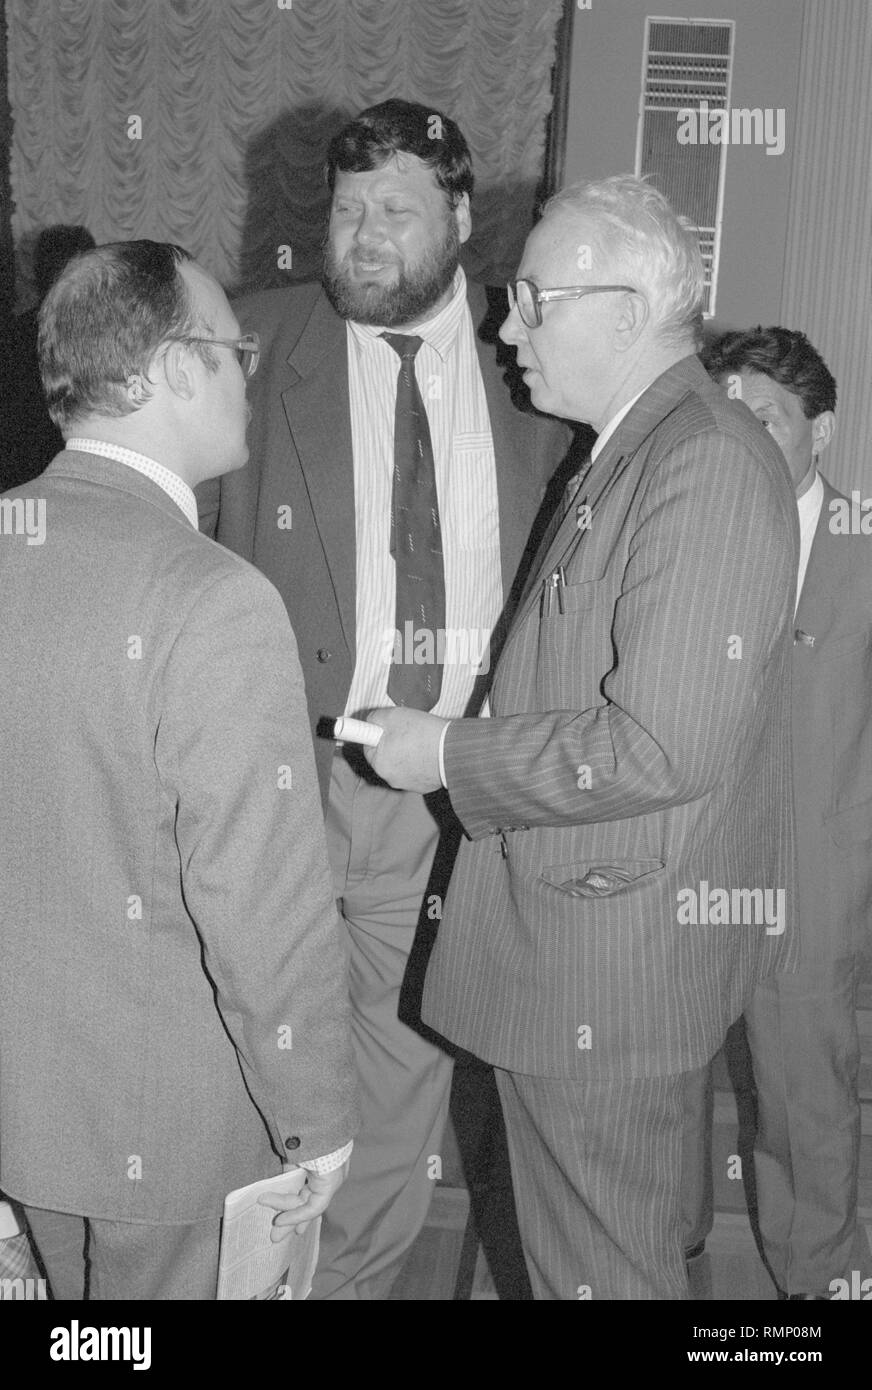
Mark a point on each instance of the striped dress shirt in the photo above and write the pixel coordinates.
(452, 389)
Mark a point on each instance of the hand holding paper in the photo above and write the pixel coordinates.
(298, 1209)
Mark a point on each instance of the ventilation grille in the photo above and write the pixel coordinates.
(686, 62)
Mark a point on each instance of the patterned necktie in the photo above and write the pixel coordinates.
(416, 544)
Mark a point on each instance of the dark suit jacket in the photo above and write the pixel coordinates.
(832, 742)
(301, 457)
(172, 994)
(637, 752)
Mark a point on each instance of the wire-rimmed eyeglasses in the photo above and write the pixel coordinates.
(529, 298)
(247, 349)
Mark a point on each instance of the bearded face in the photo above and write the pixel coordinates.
(392, 246)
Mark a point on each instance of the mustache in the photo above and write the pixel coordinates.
(355, 257)
(391, 300)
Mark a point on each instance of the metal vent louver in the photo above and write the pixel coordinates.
(686, 62)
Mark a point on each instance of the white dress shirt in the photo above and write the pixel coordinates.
(809, 508)
(605, 435)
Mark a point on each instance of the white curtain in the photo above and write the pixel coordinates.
(236, 100)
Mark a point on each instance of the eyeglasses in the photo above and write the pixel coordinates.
(529, 298)
(247, 349)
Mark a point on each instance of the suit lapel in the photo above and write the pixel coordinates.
(814, 614)
(322, 438)
(652, 407)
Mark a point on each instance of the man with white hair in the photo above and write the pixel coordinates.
(628, 874)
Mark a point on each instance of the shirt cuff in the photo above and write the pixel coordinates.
(330, 1162)
(442, 777)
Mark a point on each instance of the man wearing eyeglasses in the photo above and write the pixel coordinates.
(637, 756)
(173, 1012)
(391, 491)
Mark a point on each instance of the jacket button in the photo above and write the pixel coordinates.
(323, 654)
(292, 1143)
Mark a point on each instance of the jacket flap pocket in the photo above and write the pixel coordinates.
(599, 880)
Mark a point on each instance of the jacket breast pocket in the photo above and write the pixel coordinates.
(578, 598)
(848, 644)
(575, 648)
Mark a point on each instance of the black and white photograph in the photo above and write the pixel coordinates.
(436, 669)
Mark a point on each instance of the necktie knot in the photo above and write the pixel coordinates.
(405, 345)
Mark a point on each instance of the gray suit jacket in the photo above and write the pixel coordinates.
(173, 1011)
(641, 748)
(832, 742)
(301, 457)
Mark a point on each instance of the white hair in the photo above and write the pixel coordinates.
(641, 241)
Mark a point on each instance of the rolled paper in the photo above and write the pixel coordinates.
(357, 731)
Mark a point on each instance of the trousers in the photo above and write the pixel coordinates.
(382, 844)
(597, 1179)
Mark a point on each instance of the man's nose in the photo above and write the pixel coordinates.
(370, 228)
(513, 329)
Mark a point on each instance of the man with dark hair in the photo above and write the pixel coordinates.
(403, 127)
(55, 248)
(802, 1028)
(390, 494)
(30, 439)
(166, 913)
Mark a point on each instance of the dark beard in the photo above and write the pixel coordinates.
(409, 299)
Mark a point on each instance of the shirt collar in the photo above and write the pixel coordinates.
(174, 486)
(605, 435)
(440, 332)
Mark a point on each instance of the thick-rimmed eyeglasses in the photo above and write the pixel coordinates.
(529, 298)
(247, 349)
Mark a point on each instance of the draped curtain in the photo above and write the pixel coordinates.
(236, 100)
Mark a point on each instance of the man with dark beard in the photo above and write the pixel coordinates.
(389, 497)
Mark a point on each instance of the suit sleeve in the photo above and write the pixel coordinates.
(705, 597)
(234, 748)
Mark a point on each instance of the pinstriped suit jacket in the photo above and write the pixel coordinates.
(640, 747)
